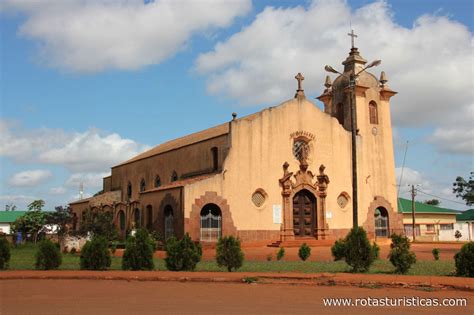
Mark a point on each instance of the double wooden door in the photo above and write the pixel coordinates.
(304, 214)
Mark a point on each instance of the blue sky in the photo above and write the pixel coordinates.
(87, 84)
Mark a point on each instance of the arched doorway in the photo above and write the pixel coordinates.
(136, 218)
(169, 222)
(121, 220)
(381, 222)
(304, 214)
(211, 223)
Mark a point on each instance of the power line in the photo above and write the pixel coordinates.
(445, 199)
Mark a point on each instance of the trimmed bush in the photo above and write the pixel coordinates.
(182, 254)
(95, 254)
(435, 253)
(358, 253)
(464, 260)
(48, 256)
(229, 254)
(281, 253)
(400, 254)
(338, 250)
(4, 253)
(304, 252)
(375, 250)
(139, 251)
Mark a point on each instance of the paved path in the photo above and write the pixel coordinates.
(149, 297)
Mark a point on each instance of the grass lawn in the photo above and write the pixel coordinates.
(23, 258)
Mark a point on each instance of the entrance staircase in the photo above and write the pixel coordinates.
(311, 242)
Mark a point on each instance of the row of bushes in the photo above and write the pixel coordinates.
(184, 254)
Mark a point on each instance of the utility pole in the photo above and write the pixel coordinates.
(413, 194)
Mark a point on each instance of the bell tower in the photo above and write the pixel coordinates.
(361, 104)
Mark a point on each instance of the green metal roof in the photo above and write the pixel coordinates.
(467, 215)
(10, 216)
(404, 206)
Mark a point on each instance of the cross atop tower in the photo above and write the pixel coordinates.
(299, 92)
(352, 35)
(299, 77)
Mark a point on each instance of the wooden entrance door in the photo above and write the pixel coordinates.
(304, 214)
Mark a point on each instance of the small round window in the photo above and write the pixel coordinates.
(259, 197)
(343, 200)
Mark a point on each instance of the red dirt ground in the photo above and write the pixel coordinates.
(145, 297)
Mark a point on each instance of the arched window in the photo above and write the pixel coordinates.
(149, 217)
(169, 222)
(381, 222)
(373, 113)
(215, 158)
(211, 223)
(174, 176)
(122, 220)
(340, 113)
(129, 190)
(142, 185)
(136, 218)
(157, 181)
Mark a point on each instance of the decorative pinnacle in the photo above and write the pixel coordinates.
(234, 115)
(383, 79)
(328, 82)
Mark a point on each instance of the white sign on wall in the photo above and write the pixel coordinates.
(277, 214)
(329, 215)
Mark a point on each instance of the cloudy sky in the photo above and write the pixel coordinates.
(86, 84)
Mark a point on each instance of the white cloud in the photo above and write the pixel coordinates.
(412, 177)
(57, 191)
(429, 64)
(17, 199)
(91, 150)
(93, 35)
(89, 180)
(30, 178)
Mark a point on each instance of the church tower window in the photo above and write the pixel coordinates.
(373, 113)
(142, 185)
(174, 176)
(157, 181)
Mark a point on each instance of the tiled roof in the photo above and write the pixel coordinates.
(180, 183)
(467, 215)
(181, 142)
(10, 216)
(404, 206)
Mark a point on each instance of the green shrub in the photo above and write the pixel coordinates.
(375, 251)
(229, 254)
(338, 250)
(304, 252)
(139, 251)
(464, 260)
(400, 254)
(4, 253)
(48, 256)
(182, 254)
(358, 253)
(281, 253)
(435, 253)
(95, 254)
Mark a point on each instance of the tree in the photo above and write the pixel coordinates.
(32, 222)
(139, 251)
(465, 189)
(228, 253)
(36, 205)
(61, 218)
(10, 207)
(99, 223)
(432, 202)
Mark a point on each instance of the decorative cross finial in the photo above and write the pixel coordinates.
(352, 35)
(299, 77)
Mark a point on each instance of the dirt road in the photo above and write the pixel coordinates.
(149, 297)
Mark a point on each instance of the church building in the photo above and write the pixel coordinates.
(281, 174)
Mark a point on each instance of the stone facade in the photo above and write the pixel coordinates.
(234, 171)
